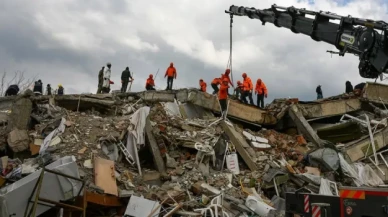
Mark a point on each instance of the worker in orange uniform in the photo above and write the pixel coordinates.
(223, 96)
(238, 90)
(261, 92)
(171, 75)
(215, 83)
(150, 83)
(226, 76)
(202, 85)
(247, 87)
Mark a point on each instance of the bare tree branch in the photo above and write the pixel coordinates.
(18, 79)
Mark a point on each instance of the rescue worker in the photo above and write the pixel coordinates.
(223, 96)
(150, 83)
(238, 90)
(226, 76)
(261, 92)
(125, 76)
(359, 88)
(106, 79)
(48, 90)
(12, 90)
(215, 83)
(319, 92)
(171, 75)
(38, 87)
(247, 87)
(202, 85)
(100, 79)
(60, 90)
(348, 87)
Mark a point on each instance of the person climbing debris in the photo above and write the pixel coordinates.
(100, 80)
(60, 90)
(359, 88)
(171, 75)
(150, 83)
(223, 96)
(38, 87)
(48, 90)
(319, 92)
(348, 87)
(106, 79)
(226, 76)
(125, 79)
(12, 90)
(215, 83)
(238, 90)
(261, 92)
(248, 87)
(202, 85)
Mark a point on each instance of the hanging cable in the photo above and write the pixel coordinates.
(229, 64)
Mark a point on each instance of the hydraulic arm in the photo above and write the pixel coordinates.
(364, 38)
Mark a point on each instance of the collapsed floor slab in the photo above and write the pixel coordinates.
(329, 108)
(376, 92)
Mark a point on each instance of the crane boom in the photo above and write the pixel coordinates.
(349, 35)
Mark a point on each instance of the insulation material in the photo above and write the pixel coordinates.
(56, 132)
(367, 175)
(324, 189)
(349, 171)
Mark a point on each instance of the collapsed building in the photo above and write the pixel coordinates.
(167, 153)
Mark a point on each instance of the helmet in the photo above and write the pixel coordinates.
(201, 79)
(59, 85)
(227, 71)
(244, 75)
(225, 80)
(259, 80)
(151, 76)
(108, 64)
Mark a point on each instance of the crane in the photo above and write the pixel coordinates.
(365, 38)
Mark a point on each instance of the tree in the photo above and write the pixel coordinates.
(19, 79)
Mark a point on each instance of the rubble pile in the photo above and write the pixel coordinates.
(143, 151)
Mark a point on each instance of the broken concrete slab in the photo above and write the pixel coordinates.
(329, 108)
(236, 109)
(241, 144)
(376, 92)
(304, 127)
(18, 140)
(20, 114)
(158, 160)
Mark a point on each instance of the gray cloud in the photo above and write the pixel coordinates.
(68, 41)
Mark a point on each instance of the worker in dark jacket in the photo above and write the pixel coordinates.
(12, 90)
(125, 76)
(319, 92)
(349, 87)
(359, 88)
(38, 87)
(171, 75)
(150, 83)
(100, 79)
(60, 90)
(48, 90)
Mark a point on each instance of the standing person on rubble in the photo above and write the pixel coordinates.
(215, 83)
(348, 87)
(150, 83)
(100, 80)
(238, 90)
(171, 75)
(247, 87)
(125, 79)
(60, 90)
(38, 87)
(261, 92)
(48, 90)
(223, 96)
(202, 85)
(319, 92)
(12, 90)
(106, 76)
(226, 76)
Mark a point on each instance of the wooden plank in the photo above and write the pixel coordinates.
(239, 142)
(304, 126)
(104, 200)
(158, 160)
(104, 175)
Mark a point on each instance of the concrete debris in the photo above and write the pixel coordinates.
(165, 152)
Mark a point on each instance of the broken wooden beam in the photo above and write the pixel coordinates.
(240, 143)
(158, 160)
(304, 127)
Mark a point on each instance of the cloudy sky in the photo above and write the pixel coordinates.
(68, 41)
